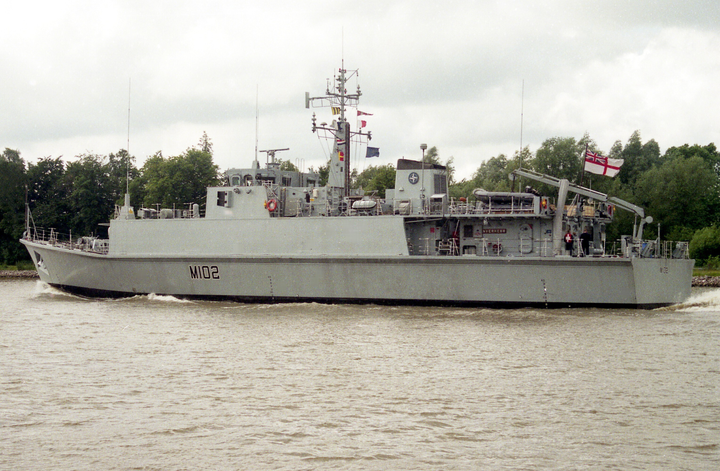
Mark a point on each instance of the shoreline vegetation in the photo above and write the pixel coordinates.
(707, 281)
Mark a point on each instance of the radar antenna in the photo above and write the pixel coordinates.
(271, 154)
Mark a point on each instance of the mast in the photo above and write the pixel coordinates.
(339, 100)
(257, 119)
(127, 164)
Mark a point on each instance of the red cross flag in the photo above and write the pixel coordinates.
(600, 165)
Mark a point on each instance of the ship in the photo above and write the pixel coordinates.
(277, 235)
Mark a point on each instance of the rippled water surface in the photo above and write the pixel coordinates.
(152, 383)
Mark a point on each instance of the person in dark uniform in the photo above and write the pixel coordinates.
(585, 238)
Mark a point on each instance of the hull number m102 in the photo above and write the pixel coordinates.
(204, 272)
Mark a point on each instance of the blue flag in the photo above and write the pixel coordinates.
(372, 152)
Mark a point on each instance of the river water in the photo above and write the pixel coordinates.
(154, 383)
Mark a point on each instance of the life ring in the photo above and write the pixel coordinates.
(272, 205)
(496, 248)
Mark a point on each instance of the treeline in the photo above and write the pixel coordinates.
(75, 197)
(680, 188)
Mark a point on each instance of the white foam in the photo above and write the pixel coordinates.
(44, 289)
(166, 298)
(705, 301)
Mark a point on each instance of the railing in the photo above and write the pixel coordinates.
(541, 247)
(58, 239)
(484, 246)
(165, 213)
(664, 249)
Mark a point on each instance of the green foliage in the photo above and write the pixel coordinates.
(287, 166)
(12, 209)
(205, 144)
(77, 196)
(121, 167)
(493, 174)
(26, 264)
(48, 194)
(638, 157)
(713, 263)
(324, 172)
(561, 157)
(433, 156)
(679, 194)
(705, 244)
(376, 179)
(89, 194)
(178, 180)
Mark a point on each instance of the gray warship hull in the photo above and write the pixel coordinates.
(418, 280)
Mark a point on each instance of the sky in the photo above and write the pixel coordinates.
(474, 78)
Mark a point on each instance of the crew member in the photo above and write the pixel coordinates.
(569, 241)
(585, 238)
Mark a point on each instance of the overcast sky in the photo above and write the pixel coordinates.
(447, 73)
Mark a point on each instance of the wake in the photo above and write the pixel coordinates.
(43, 289)
(702, 302)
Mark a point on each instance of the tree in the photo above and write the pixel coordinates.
(182, 179)
(120, 168)
(705, 244)
(638, 157)
(324, 173)
(12, 208)
(560, 157)
(205, 144)
(493, 174)
(91, 195)
(48, 194)
(680, 195)
(432, 156)
(377, 179)
(708, 153)
(287, 166)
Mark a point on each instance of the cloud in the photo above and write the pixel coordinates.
(449, 74)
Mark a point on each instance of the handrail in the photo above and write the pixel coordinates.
(59, 239)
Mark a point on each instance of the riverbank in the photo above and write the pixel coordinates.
(18, 274)
(708, 281)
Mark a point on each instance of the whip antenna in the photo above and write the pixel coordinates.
(522, 110)
(127, 163)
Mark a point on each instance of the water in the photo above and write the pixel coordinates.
(153, 383)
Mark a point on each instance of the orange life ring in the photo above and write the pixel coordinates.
(272, 205)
